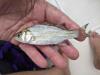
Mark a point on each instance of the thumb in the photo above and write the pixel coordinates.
(82, 35)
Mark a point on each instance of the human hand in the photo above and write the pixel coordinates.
(45, 12)
(95, 45)
(94, 40)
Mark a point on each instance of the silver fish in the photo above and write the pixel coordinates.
(45, 35)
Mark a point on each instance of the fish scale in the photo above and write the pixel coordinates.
(45, 35)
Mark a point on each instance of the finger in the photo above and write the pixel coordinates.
(15, 42)
(69, 50)
(82, 34)
(55, 16)
(94, 39)
(92, 35)
(54, 56)
(34, 55)
(96, 35)
(60, 52)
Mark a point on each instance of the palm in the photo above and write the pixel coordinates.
(44, 12)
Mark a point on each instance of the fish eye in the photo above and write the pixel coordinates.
(19, 34)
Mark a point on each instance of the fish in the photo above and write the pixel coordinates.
(41, 34)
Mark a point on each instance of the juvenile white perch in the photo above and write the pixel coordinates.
(45, 35)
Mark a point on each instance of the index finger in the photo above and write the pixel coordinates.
(55, 16)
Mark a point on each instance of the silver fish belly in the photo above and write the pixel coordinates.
(45, 35)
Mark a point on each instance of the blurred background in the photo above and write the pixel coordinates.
(82, 12)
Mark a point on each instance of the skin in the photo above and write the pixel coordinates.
(95, 44)
(48, 14)
(53, 71)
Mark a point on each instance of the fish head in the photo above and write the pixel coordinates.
(25, 36)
